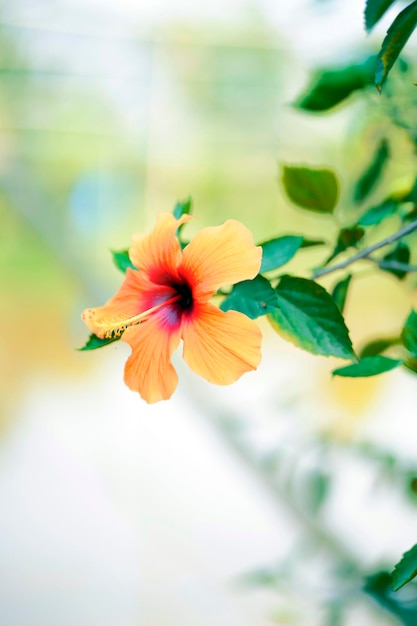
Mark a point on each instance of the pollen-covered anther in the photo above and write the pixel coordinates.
(108, 326)
(113, 325)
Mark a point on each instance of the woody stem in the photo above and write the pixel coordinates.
(366, 252)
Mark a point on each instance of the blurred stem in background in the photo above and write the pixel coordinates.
(342, 580)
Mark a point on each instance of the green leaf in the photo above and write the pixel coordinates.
(332, 86)
(376, 346)
(395, 39)
(310, 243)
(313, 189)
(411, 481)
(252, 297)
(405, 570)
(372, 174)
(374, 10)
(183, 207)
(401, 255)
(410, 216)
(411, 364)
(347, 238)
(308, 317)
(94, 342)
(339, 292)
(404, 608)
(409, 333)
(378, 213)
(122, 260)
(369, 366)
(317, 487)
(277, 252)
(410, 196)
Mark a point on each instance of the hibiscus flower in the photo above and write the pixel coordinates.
(166, 299)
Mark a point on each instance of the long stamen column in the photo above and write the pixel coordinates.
(110, 325)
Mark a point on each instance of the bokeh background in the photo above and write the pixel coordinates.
(253, 504)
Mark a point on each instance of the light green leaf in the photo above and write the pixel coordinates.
(313, 189)
(395, 39)
(409, 333)
(277, 252)
(405, 570)
(95, 342)
(378, 213)
(332, 86)
(317, 489)
(339, 292)
(373, 173)
(122, 260)
(369, 366)
(374, 10)
(308, 317)
(252, 297)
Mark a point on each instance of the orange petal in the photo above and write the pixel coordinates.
(159, 253)
(148, 369)
(221, 346)
(220, 255)
(127, 302)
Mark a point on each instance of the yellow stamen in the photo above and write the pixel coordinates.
(114, 325)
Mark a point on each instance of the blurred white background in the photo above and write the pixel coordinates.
(112, 512)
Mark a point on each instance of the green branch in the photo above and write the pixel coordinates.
(366, 252)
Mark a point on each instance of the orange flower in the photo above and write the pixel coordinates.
(167, 299)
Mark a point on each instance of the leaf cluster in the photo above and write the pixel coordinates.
(300, 309)
(397, 35)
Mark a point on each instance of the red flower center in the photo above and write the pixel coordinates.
(185, 301)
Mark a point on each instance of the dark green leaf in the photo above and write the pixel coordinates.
(405, 570)
(122, 260)
(395, 39)
(332, 86)
(400, 255)
(409, 333)
(347, 238)
(369, 366)
(411, 196)
(411, 481)
(308, 317)
(339, 292)
(377, 346)
(372, 174)
(404, 609)
(313, 189)
(182, 208)
(410, 216)
(277, 252)
(411, 364)
(310, 243)
(374, 10)
(251, 297)
(95, 342)
(378, 213)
